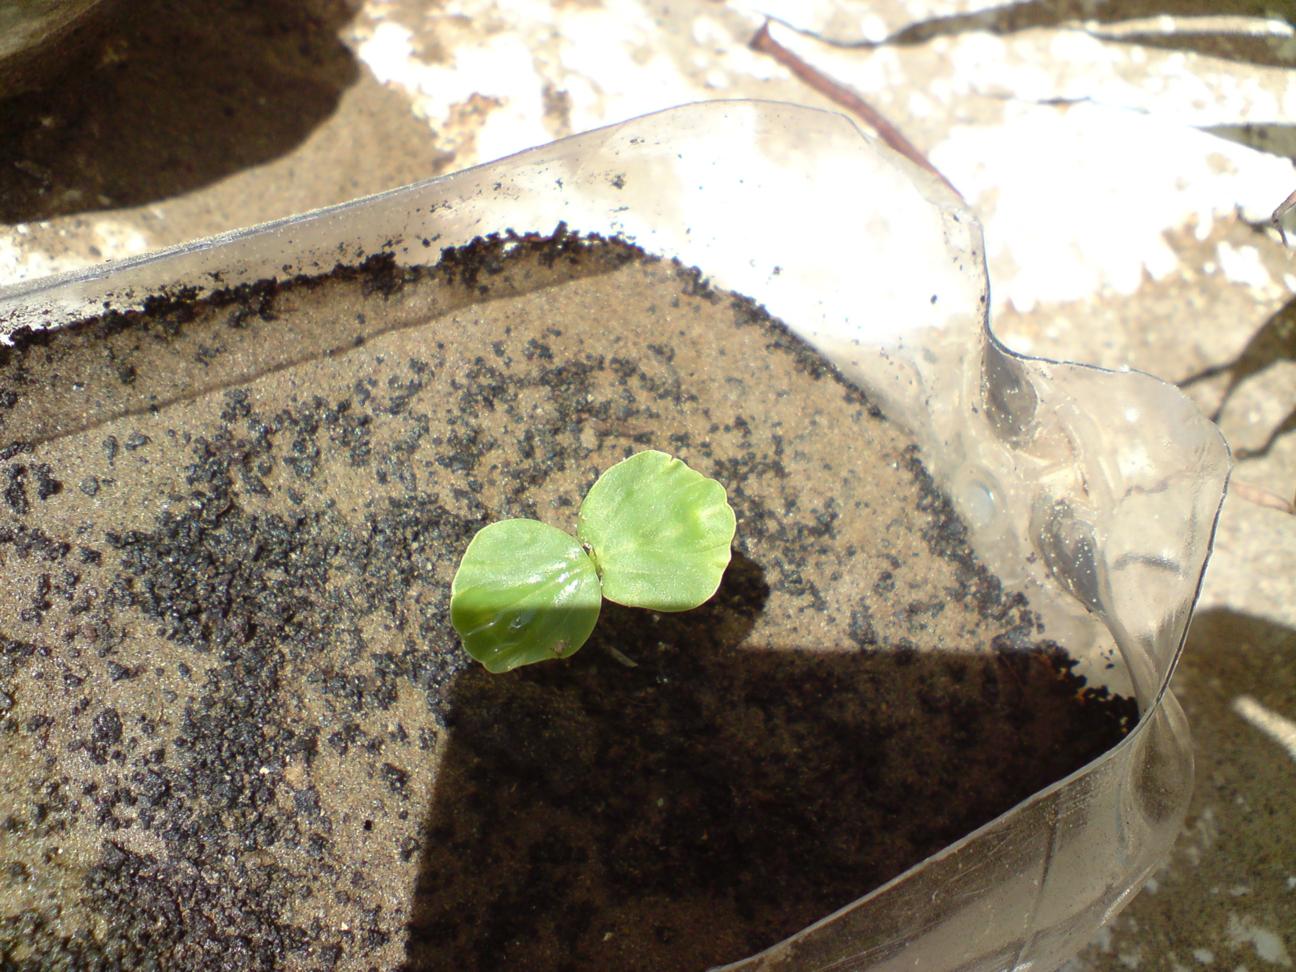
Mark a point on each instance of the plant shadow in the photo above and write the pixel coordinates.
(1010, 18)
(1274, 342)
(173, 98)
(1276, 139)
(721, 794)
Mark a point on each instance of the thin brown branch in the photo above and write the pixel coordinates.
(1262, 497)
(1284, 207)
(840, 94)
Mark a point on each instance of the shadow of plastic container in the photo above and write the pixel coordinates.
(1096, 492)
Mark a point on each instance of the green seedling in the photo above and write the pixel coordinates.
(651, 533)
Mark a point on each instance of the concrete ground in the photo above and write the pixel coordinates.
(1124, 157)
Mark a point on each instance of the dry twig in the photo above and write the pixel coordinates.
(848, 99)
(1262, 497)
(1284, 207)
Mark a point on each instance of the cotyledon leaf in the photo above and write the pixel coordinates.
(659, 532)
(524, 592)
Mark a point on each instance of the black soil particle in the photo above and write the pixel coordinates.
(236, 727)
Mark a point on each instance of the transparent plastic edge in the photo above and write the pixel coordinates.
(518, 193)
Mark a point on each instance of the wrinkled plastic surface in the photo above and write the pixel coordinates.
(1095, 492)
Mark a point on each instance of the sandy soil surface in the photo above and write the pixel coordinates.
(238, 726)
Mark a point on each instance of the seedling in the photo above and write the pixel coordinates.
(651, 533)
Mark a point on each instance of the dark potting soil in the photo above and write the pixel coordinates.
(236, 727)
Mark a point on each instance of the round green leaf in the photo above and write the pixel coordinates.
(524, 592)
(659, 532)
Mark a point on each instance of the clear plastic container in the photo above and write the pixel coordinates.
(1095, 492)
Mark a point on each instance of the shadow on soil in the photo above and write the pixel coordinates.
(712, 800)
(1231, 652)
(1009, 18)
(1240, 832)
(175, 96)
(1274, 342)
